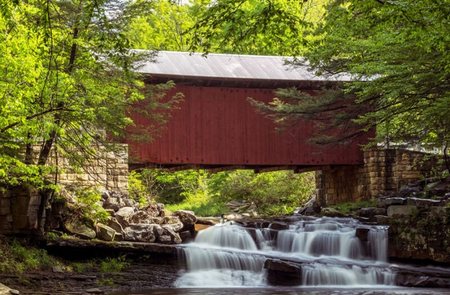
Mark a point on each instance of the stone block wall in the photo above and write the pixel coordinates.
(19, 209)
(19, 206)
(384, 171)
(341, 184)
(108, 170)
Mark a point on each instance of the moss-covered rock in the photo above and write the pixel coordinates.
(424, 235)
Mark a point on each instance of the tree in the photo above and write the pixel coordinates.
(67, 79)
(250, 27)
(164, 28)
(397, 53)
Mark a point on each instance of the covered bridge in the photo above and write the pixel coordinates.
(216, 127)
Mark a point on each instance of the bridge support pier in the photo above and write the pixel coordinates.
(384, 172)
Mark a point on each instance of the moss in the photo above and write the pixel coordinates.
(349, 207)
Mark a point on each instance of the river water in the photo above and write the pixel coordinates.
(333, 256)
(288, 291)
(328, 250)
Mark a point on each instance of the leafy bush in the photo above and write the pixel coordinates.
(89, 200)
(137, 188)
(273, 193)
(206, 193)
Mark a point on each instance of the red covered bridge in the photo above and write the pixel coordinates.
(216, 127)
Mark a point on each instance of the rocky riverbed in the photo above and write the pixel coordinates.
(141, 273)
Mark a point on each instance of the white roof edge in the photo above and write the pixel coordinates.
(230, 66)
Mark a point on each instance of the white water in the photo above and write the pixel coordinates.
(228, 255)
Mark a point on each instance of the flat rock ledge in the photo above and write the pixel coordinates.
(114, 247)
(5, 290)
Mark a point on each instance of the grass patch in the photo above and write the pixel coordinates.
(113, 264)
(18, 258)
(202, 204)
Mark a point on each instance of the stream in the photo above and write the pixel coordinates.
(331, 256)
(327, 250)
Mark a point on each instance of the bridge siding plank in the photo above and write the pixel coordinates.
(217, 126)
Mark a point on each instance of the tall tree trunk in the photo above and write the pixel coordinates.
(47, 194)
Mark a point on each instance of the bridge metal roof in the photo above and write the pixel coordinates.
(187, 66)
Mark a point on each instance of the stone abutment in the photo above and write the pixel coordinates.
(384, 172)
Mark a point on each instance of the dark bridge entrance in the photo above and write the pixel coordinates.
(216, 127)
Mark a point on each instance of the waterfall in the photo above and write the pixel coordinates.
(327, 250)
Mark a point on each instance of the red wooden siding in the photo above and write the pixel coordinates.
(216, 126)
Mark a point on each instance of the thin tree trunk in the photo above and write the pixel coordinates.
(446, 158)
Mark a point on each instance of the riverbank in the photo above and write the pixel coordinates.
(75, 266)
(139, 274)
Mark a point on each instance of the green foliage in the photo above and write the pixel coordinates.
(17, 258)
(107, 265)
(173, 187)
(202, 203)
(163, 28)
(89, 201)
(68, 77)
(250, 27)
(14, 172)
(137, 189)
(273, 193)
(82, 267)
(206, 194)
(397, 53)
(110, 265)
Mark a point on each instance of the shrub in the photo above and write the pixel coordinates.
(137, 188)
(89, 200)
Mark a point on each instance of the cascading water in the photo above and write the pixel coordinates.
(329, 251)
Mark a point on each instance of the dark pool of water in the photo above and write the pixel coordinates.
(288, 291)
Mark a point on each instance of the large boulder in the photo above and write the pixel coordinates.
(424, 235)
(386, 202)
(146, 218)
(5, 290)
(105, 232)
(154, 210)
(142, 232)
(283, 273)
(401, 210)
(114, 200)
(174, 223)
(278, 225)
(187, 218)
(141, 217)
(114, 224)
(79, 229)
(362, 233)
(423, 203)
(123, 215)
(169, 233)
(424, 277)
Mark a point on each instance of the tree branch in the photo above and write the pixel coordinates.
(12, 125)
